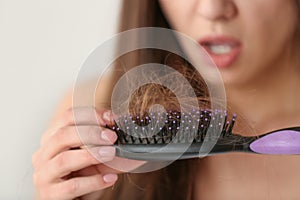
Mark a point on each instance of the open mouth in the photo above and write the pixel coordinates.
(219, 49)
(223, 50)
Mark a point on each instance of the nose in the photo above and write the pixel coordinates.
(216, 9)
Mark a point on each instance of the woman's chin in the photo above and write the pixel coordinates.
(234, 79)
(229, 78)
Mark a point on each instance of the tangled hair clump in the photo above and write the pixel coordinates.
(153, 93)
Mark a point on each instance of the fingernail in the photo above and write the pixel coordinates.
(108, 136)
(107, 151)
(108, 178)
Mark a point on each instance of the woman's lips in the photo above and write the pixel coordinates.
(223, 50)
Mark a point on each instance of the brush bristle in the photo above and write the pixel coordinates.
(163, 128)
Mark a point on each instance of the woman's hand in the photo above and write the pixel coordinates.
(63, 170)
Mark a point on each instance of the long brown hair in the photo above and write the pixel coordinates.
(176, 180)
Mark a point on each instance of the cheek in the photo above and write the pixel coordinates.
(266, 19)
(270, 31)
(267, 33)
(179, 13)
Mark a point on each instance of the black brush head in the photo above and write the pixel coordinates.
(173, 127)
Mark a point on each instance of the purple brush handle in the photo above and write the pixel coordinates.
(279, 142)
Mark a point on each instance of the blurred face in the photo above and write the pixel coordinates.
(247, 39)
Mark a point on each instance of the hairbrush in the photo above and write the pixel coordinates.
(174, 135)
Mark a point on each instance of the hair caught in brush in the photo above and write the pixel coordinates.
(161, 183)
(152, 94)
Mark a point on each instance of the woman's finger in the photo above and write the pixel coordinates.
(75, 160)
(86, 116)
(80, 116)
(80, 186)
(76, 136)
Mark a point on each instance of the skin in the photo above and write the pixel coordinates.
(265, 75)
(62, 172)
(62, 169)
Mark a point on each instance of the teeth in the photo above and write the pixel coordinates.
(220, 49)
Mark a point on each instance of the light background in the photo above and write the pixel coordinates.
(42, 46)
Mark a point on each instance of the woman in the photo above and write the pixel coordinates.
(255, 45)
